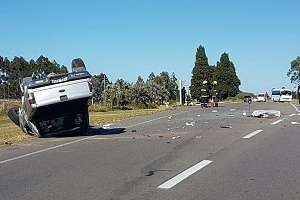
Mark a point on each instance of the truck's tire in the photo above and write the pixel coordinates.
(14, 116)
(85, 122)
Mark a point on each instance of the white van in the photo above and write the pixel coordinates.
(285, 95)
(261, 97)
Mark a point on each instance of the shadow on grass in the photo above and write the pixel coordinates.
(91, 132)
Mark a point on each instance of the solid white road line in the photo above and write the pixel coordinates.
(183, 175)
(252, 134)
(291, 115)
(69, 143)
(47, 149)
(276, 122)
(296, 108)
(145, 122)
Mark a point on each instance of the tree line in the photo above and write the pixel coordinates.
(223, 72)
(156, 90)
(12, 71)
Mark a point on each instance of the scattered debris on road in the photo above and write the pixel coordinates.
(190, 123)
(230, 115)
(106, 126)
(266, 113)
(225, 126)
(176, 137)
(295, 123)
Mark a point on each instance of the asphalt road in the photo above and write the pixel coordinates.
(214, 153)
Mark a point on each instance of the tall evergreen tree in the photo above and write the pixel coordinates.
(201, 72)
(294, 71)
(228, 81)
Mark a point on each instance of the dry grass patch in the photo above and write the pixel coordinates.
(10, 133)
(118, 115)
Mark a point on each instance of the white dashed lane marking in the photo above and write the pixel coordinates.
(183, 175)
(252, 134)
(277, 122)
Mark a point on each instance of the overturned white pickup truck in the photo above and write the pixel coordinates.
(57, 103)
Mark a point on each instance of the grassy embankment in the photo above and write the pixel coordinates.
(99, 115)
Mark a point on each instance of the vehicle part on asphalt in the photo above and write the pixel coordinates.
(266, 113)
(225, 126)
(106, 126)
(190, 123)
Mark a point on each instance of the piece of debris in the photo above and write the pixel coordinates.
(133, 131)
(266, 113)
(233, 109)
(176, 137)
(230, 115)
(214, 111)
(168, 142)
(295, 123)
(106, 126)
(8, 143)
(169, 129)
(226, 126)
(160, 136)
(198, 115)
(244, 113)
(190, 123)
(198, 136)
(170, 117)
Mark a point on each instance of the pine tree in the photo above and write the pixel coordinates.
(201, 72)
(228, 81)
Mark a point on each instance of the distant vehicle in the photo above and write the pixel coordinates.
(276, 95)
(261, 97)
(247, 98)
(281, 95)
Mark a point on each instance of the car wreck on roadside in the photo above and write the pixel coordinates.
(56, 103)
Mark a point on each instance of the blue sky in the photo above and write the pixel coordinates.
(125, 39)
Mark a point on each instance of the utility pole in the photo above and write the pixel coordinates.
(104, 96)
(180, 94)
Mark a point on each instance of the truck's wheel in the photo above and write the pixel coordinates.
(14, 116)
(85, 123)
